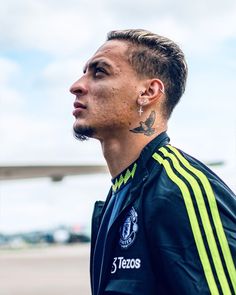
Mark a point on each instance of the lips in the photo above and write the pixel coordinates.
(78, 108)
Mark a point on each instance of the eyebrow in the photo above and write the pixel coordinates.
(92, 65)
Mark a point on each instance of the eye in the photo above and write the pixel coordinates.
(99, 71)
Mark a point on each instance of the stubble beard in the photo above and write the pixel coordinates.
(83, 133)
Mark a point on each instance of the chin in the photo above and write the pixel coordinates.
(83, 132)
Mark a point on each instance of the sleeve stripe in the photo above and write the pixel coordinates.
(215, 216)
(193, 222)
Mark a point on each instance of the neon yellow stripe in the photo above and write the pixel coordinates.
(193, 222)
(205, 221)
(123, 179)
(215, 216)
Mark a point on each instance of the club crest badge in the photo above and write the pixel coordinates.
(129, 229)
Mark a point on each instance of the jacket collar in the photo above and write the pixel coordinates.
(143, 166)
(145, 159)
(141, 175)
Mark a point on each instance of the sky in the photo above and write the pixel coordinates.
(43, 47)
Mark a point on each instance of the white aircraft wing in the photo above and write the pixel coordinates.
(55, 172)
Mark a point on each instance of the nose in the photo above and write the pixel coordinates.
(78, 87)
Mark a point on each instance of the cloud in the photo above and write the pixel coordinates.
(8, 68)
(9, 72)
(197, 25)
(70, 31)
(69, 27)
(44, 45)
(36, 122)
(49, 26)
(63, 72)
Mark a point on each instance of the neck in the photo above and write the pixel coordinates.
(119, 152)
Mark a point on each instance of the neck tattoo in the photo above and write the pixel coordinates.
(145, 127)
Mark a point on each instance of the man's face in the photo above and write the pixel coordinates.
(106, 94)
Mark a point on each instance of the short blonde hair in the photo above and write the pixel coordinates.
(155, 56)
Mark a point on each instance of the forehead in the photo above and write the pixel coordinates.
(113, 52)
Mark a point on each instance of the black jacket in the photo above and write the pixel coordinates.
(176, 231)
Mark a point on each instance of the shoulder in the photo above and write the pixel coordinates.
(180, 181)
(188, 176)
(184, 170)
(186, 191)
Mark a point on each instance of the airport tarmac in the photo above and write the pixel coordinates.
(59, 270)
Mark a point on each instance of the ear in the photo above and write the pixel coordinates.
(155, 89)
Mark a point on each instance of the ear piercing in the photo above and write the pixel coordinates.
(140, 111)
(145, 100)
(162, 90)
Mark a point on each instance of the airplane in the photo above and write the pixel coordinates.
(55, 172)
(58, 172)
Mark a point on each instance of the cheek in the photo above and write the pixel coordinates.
(114, 103)
(121, 103)
(128, 101)
(100, 95)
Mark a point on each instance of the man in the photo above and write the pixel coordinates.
(168, 225)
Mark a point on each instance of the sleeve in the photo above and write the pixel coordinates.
(188, 241)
